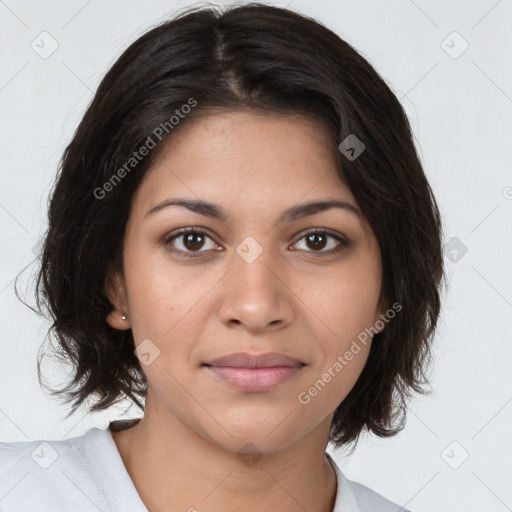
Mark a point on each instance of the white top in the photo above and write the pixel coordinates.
(87, 473)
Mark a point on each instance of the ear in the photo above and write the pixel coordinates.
(115, 290)
(382, 307)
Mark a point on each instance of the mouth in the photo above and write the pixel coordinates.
(254, 373)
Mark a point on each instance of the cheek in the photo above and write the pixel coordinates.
(158, 298)
(167, 304)
(348, 303)
(340, 365)
(330, 385)
(159, 291)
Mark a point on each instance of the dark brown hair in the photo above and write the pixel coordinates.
(264, 59)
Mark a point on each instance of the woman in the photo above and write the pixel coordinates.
(242, 235)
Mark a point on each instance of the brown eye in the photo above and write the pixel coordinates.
(318, 240)
(193, 241)
(189, 241)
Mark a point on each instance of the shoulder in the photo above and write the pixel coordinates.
(372, 500)
(27, 454)
(356, 497)
(43, 453)
(44, 474)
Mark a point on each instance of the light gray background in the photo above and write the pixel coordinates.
(460, 107)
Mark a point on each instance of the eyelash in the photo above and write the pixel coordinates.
(343, 244)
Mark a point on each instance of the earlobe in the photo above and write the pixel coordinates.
(115, 319)
(114, 289)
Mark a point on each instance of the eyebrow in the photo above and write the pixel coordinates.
(291, 214)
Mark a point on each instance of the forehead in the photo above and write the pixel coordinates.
(245, 157)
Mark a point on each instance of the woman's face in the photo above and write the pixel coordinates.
(253, 282)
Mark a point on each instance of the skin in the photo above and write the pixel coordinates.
(294, 298)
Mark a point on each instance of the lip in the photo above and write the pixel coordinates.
(246, 360)
(254, 373)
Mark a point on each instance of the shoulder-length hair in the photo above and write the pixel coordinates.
(265, 59)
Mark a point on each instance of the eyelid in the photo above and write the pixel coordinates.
(343, 242)
(183, 231)
(326, 231)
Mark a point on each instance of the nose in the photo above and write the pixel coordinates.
(256, 294)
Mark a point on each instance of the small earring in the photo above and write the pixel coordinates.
(124, 317)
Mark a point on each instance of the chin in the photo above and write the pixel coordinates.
(268, 430)
(256, 443)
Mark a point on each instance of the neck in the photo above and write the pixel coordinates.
(173, 464)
